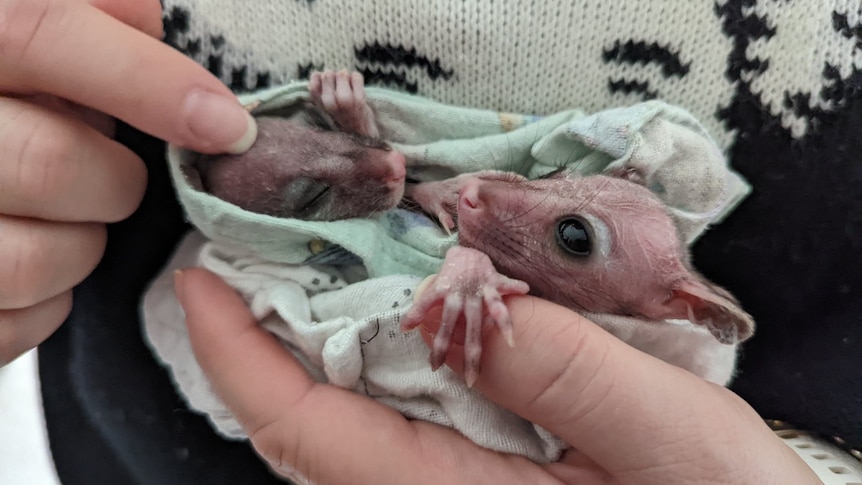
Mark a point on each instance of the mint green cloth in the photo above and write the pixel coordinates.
(683, 166)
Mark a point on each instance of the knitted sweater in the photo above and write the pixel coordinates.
(526, 57)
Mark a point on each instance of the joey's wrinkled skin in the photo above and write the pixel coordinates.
(597, 244)
(310, 170)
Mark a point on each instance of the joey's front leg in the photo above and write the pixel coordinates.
(440, 198)
(342, 95)
(468, 285)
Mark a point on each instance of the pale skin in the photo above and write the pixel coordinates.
(70, 66)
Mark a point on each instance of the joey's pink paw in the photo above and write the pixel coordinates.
(468, 285)
(342, 95)
(438, 199)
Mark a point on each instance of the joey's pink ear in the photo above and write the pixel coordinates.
(703, 303)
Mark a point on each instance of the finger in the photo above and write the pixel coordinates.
(24, 329)
(143, 15)
(55, 167)
(39, 260)
(509, 286)
(499, 314)
(314, 85)
(589, 388)
(77, 52)
(358, 83)
(327, 91)
(343, 91)
(99, 121)
(575, 467)
(327, 434)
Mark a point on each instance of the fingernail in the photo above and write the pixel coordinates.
(178, 284)
(423, 286)
(510, 339)
(219, 122)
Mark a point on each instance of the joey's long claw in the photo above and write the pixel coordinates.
(250, 107)
(498, 314)
(446, 221)
(424, 297)
(413, 318)
(452, 307)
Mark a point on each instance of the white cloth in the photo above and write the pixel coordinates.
(349, 335)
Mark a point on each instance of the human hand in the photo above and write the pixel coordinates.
(629, 417)
(66, 68)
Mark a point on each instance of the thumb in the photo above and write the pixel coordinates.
(571, 377)
(239, 357)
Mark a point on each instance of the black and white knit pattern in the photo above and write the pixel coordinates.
(800, 63)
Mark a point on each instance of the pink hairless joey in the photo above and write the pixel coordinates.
(597, 244)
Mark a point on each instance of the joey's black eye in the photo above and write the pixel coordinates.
(573, 237)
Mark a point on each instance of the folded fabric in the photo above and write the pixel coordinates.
(334, 291)
(348, 335)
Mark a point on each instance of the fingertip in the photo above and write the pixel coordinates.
(314, 85)
(218, 123)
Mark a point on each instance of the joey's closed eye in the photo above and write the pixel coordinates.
(304, 194)
(573, 236)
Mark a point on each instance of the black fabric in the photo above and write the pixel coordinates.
(792, 253)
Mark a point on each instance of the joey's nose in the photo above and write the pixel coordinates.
(397, 164)
(470, 199)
